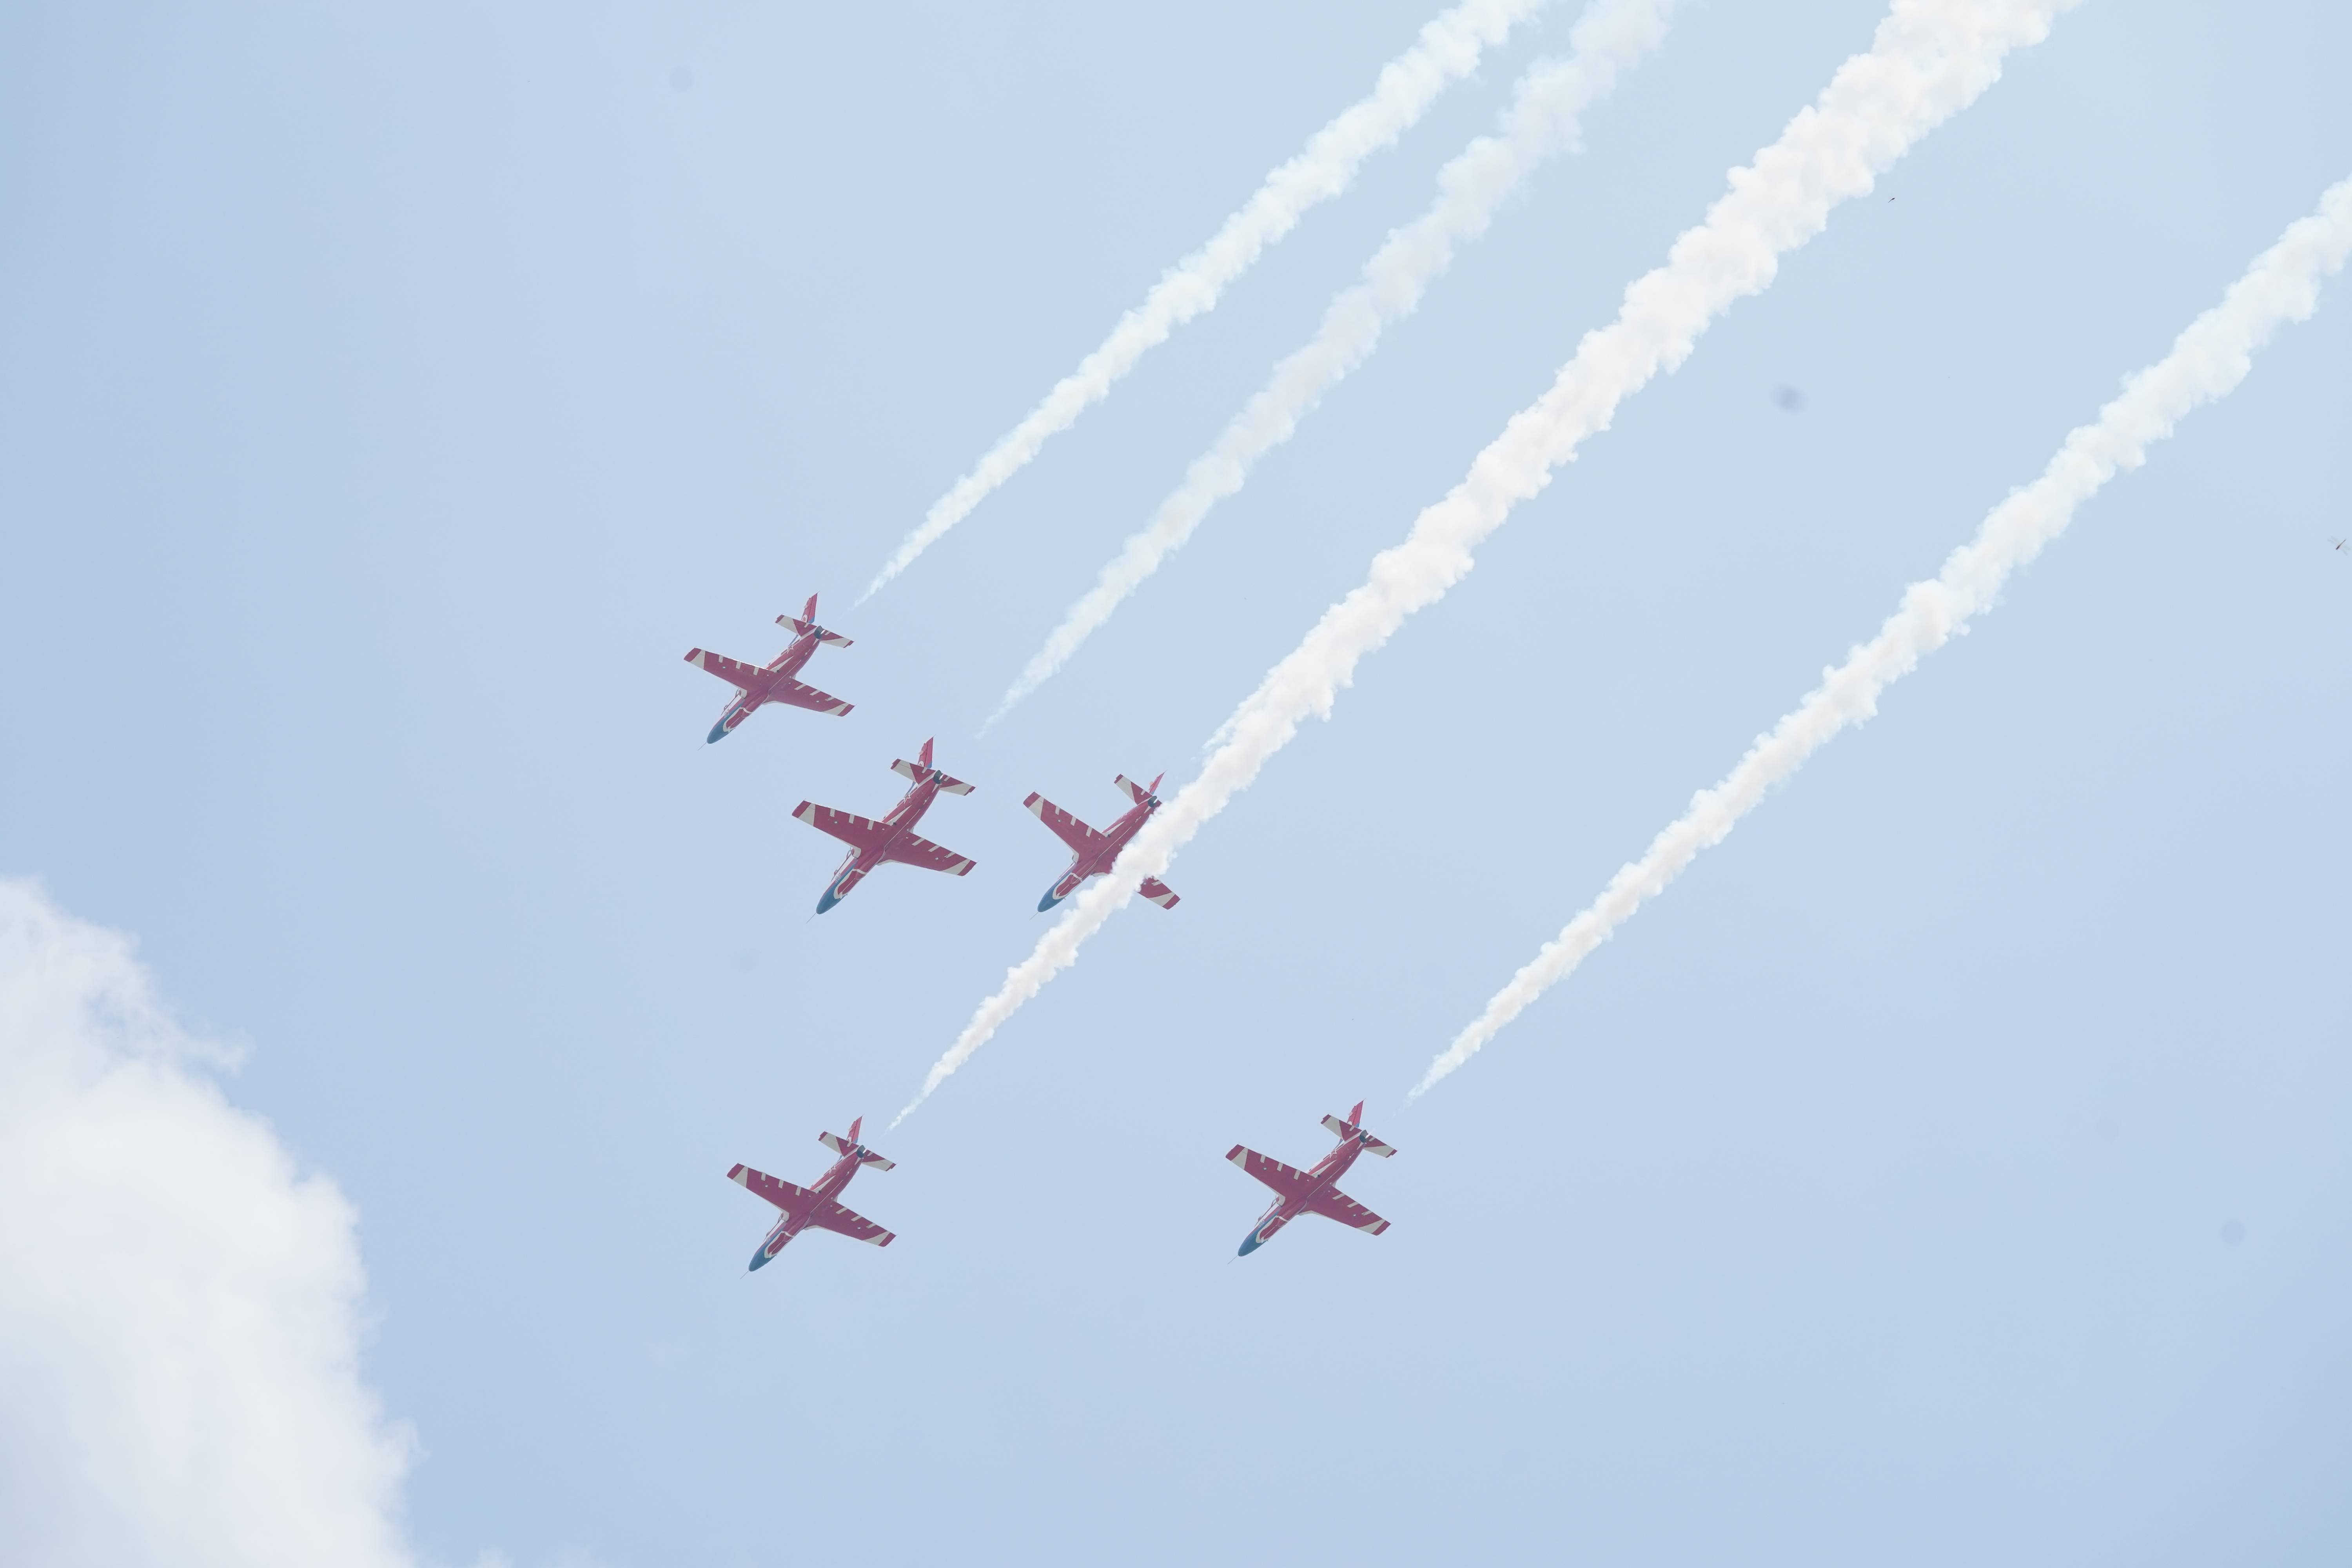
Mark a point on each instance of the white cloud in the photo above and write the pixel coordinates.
(179, 1305)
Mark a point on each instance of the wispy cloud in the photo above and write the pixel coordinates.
(2207, 362)
(179, 1304)
(1448, 49)
(1929, 60)
(1610, 37)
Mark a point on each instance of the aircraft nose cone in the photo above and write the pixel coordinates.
(760, 1258)
(827, 901)
(718, 732)
(1250, 1243)
(1047, 902)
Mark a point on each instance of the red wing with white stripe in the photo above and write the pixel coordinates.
(1284, 1179)
(783, 1194)
(734, 671)
(861, 833)
(810, 697)
(1333, 1204)
(831, 1216)
(1066, 828)
(913, 849)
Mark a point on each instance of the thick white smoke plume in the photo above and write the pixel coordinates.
(2207, 362)
(1612, 35)
(179, 1306)
(1448, 48)
(1929, 60)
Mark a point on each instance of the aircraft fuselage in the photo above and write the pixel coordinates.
(826, 1188)
(900, 820)
(1325, 1175)
(1097, 860)
(783, 667)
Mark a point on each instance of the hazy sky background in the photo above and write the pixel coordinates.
(1956, 1167)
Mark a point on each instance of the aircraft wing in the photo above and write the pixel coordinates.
(1333, 1204)
(859, 832)
(1068, 829)
(783, 1194)
(734, 671)
(912, 849)
(831, 1216)
(810, 697)
(1282, 1178)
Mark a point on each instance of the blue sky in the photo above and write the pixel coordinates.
(1953, 1166)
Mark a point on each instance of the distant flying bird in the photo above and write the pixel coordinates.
(1094, 853)
(1313, 1191)
(807, 1207)
(873, 844)
(2337, 542)
(772, 682)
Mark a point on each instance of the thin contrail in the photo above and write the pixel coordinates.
(1448, 49)
(2206, 362)
(1929, 60)
(1610, 37)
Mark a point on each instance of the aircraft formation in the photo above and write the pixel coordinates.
(892, 840)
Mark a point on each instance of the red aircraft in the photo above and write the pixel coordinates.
(757, 685)
(1312, 1192)
(1094, 853)
(894, 837)
(807, 1207)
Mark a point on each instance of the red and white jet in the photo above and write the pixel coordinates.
(807, 1207)
(1313, 1191)
(758, 685)
(1094, 853)
(872, 844)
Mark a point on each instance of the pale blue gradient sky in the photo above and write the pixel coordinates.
(1956, 1167)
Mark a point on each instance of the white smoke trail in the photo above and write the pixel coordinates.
(1448, 49)
(1610, 37)
(2206, 362)
(1929, 60)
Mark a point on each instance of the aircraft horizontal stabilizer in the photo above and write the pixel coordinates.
(1158, 892)
(905, 768)
(828, 639)
(1339, 1129)
(1135, 792)
(868, 1158)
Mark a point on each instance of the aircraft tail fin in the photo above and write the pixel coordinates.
(1353, 1128)
(921, 766)
(805, 623)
